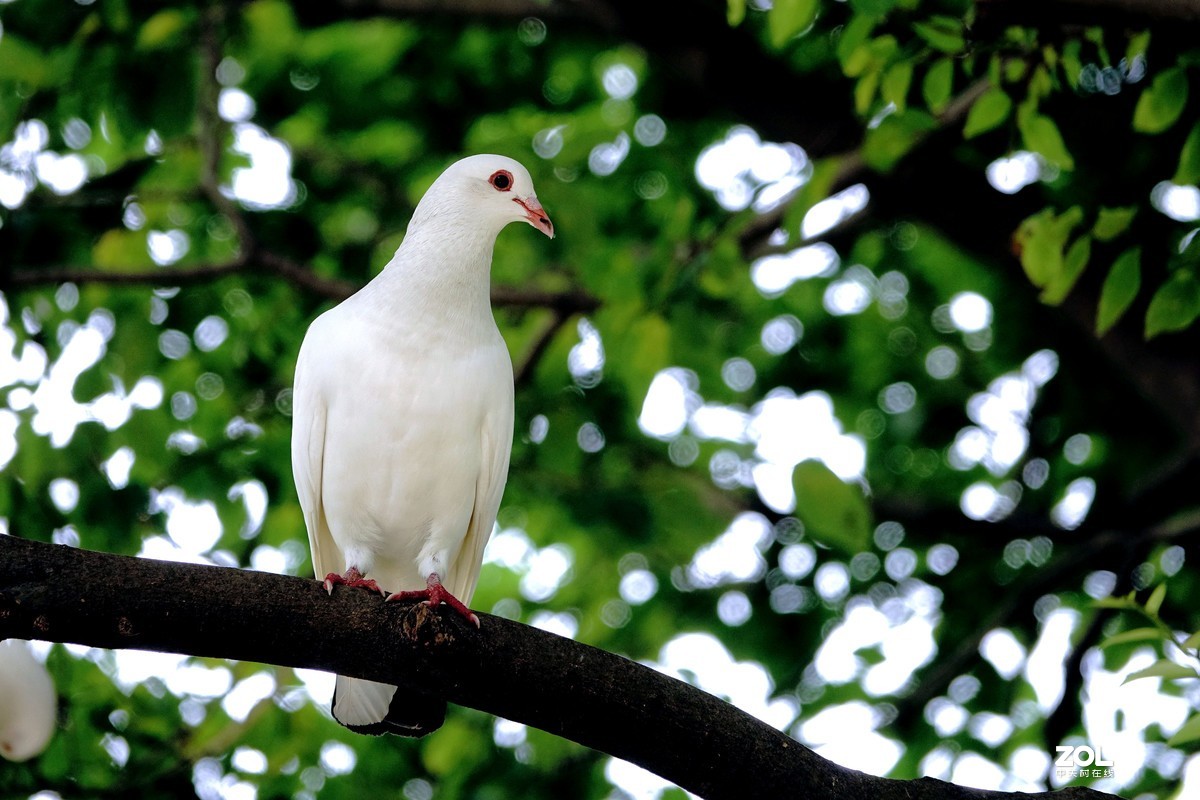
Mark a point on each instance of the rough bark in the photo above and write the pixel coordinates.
(596, 698)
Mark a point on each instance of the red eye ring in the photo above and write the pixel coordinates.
(502, 180)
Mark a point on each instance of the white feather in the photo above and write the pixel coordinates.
(403, 407)
(358, 702)
(28, 705)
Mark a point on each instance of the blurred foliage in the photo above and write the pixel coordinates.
(1185, 649)
(143, 409)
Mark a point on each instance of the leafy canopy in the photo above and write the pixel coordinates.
(834, 389)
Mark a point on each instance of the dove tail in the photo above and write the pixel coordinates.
(376, 708)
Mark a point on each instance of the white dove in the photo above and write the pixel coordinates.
(403, 417)
(28, 705)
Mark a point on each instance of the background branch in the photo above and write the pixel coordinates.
(993, 15)
(1096, 552)
(523, 370)
(566, 302)
(599, 699)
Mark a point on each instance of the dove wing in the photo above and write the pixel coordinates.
(496, 448)
(309, 415)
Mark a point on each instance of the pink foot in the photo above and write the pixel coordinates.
(436, 593)
(353, 579)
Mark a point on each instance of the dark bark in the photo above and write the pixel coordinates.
(599, 699)
(567, 302)
(992, 16)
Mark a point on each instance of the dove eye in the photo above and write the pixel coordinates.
(502, 179)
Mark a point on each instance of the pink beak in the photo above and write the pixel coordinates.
(536, 214)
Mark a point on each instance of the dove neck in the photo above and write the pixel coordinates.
(445, 278)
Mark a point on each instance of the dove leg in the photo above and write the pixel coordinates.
(434, 594)
(353, 579)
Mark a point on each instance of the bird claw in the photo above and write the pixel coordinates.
(434, 594)
(353, 579)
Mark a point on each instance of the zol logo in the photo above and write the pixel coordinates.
(1082, 761)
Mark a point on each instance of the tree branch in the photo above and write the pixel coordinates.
(851, 168)
(523, 371)
(34, 277)
(210, 129)
(567, 302)
(1091, 553)
(598, 699)
(995, 15)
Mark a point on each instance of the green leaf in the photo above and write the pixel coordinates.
(1155, 601)
(834, 513)
(120, 250)
(896, 81)
(938, 84)
(883, 48)
(164, 29)
(1040, 84)
(1042, 239)
(387, 142)
(1120, 288)
(1014, 69)
(1071, 61)
(1188, 171)
(995, 71)
(857, 61)
(874, 8)
(788, 18)
(864, 91)
(1112, 222)
(1060, 285)
(1041, 135)
(735, 12)
(1192, 642)
(1163, 668)
(1138, 44)
(22, 62)
(649, 350)
(455, 744)
(1188, 732)
(991, 109)
(1161, 102)
(892, 138)
(1134, 635)
(942, 33)
(1122, 603)
(853, 36)
(1175, 305)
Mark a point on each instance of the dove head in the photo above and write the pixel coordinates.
(491, 190)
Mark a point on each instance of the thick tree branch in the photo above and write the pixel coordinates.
(601, 700)
(995, 15)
